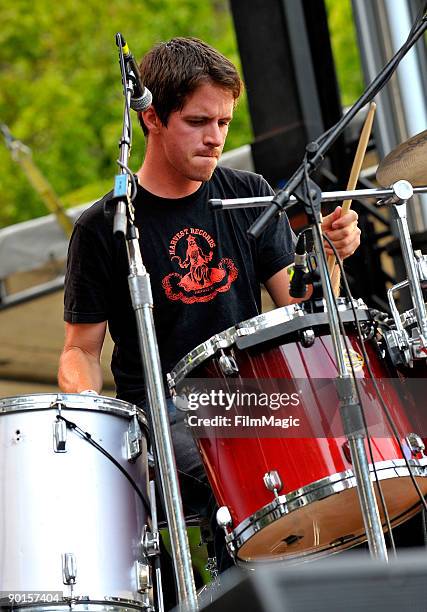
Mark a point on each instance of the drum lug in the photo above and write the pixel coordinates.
(144, 580)
(415, 443)
(273, 482)
(171, 384)
(151, 542)
(228, 364)
(59, 427)
(59, 436)
(307, 338)
(133, 439)
(69, 568)
(223, 518)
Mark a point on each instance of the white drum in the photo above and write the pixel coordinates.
(71, 521)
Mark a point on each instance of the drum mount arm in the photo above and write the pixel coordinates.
(403, 346)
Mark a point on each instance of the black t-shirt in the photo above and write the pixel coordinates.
(205, 273)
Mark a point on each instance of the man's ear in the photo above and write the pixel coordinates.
(151, 120)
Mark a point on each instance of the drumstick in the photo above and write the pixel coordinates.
(356, 168)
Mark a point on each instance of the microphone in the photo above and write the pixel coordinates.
(141, 98)
(298, 285)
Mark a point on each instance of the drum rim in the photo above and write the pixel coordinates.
(227, 338)
(315, 491)
(49, 401)
(199, 354)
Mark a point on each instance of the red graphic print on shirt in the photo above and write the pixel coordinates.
(202, 280)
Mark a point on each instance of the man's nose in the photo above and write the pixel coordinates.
(213, 135)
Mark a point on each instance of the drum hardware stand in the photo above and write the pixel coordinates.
(414, 347)
(140, 291)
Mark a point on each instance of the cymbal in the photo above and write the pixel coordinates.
(407, 161)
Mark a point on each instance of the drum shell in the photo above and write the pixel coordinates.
(300, 461)
(72, 502)
(288, 497)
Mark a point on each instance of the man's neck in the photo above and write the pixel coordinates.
(165, 186)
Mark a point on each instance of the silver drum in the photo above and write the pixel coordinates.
(70, 519)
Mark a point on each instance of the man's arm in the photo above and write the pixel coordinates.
(79, 364)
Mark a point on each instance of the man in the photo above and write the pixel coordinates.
(205, 273)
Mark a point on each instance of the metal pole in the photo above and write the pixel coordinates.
(140, 289)
(142, 301)
(327, 196)
(352, 419)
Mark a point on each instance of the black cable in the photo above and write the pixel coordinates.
(128, 113)
(125, 87)
(346, 348)
(86, 436)
(383, 404)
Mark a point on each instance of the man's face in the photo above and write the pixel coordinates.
(193, 140)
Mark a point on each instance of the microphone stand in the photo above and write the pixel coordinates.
(310, 195)
(350, 407)
(142, 301)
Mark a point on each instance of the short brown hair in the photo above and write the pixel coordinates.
(173, 70)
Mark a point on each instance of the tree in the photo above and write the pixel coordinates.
(60, 87)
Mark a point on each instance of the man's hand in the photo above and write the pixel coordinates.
(343, 231)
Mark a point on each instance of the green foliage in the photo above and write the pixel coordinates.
(60, 87)
(345, 50)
